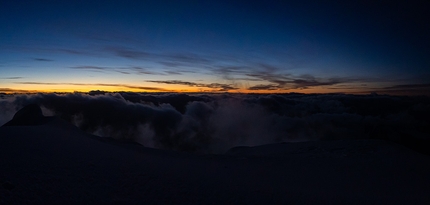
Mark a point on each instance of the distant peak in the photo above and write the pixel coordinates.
(29, 111)
(29, 115)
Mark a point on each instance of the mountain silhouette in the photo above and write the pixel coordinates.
(30, 115)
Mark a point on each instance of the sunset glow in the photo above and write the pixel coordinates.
(213, 46)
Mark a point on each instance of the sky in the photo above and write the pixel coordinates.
(356, 47)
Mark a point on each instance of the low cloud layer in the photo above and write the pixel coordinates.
(214, 123)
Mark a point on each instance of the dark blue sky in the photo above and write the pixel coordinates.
(236, 46)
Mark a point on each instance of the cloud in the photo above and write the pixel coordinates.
(276, 78)
(11, 90)
(171, 64)
(175, 82)
(123, 70)
(38, 49)
(175, 62)
(39, 83)
(87, 67)
(135, 87)
(219, 86)
(129, 53)
(264, 87)
(269, 77)
(142, 70)
(169, 72)
(234, 72)
(164, 57)
(312, 82)
(96, 84)
(214, 123)
(409, 86)
(12, 78)
(289, 81)
(185, 57)
(72, 51)
(43, 59)
(402, 89)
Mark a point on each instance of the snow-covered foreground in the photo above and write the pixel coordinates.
(58, 163)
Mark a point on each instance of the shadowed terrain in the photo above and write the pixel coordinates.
(56, 162)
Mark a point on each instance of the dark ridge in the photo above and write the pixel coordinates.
(30, 115)
(417, 144)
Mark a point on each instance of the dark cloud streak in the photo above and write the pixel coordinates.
(96, 84)
(409, 86)
(264, 87)
(221, 87)
(43, 59)
(404, 89)
(166, 57)
(123, 70)
(12, 90)
(12, 78)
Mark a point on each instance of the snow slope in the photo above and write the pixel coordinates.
(57, 163)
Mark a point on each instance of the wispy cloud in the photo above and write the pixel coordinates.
(11, 90)
(219, 86)
(264, 87)
(270, 77)
(233, 72)
(170, 59)
(405, 89)
(97, 84)
(141, 87)
(43, 59)
(123, 70)
(401, 89)
(89, 67)
(73, 51)
(41, 83)
(129, 53)
(12, 78)
(185, 57)
(141, 70)
(410, 86)
(284, 81)
(55, 50)
(169, 72)
(312, 82)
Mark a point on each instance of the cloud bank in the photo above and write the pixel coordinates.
(216, 122)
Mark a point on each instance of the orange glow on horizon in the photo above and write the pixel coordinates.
(170, 88)
(166, 89)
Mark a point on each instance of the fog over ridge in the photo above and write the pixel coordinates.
(213, 123)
